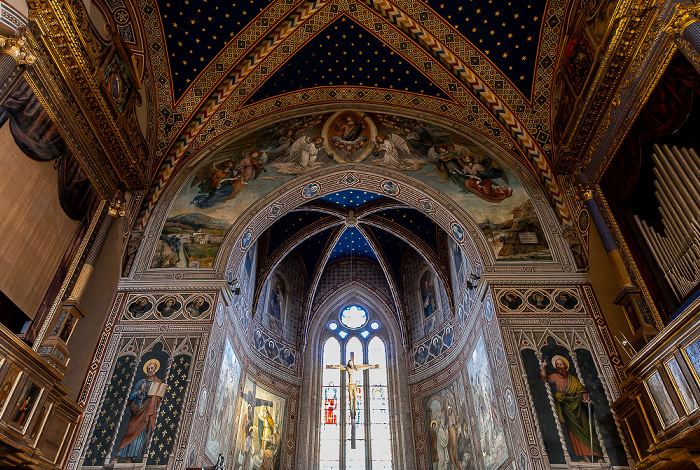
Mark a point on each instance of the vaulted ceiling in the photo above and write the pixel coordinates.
(353, 224)
(217, 66)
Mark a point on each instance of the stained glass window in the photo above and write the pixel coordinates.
(353, 317)
(359, 440)
(378, 406)
(330, 421)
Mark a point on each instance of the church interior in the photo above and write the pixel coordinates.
(349, 234)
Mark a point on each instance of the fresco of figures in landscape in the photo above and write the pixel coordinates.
(449, 438)
(225, 185)
(261, 428)
(568, 394)
(489, 427)
(222, 416)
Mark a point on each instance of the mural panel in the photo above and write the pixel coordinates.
(138, 417)
(572, 407)
(487, 415)
(222, 415)
(261, 429)
(251, 167)
(449, 438)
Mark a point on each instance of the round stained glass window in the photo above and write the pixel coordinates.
(353, 317)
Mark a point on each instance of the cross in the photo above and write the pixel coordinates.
(352, 388)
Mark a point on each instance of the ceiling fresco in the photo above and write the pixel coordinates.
(222, 187)
(487, 64)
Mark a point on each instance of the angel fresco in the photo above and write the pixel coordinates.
(222, 181)
(301, 156)
(397, 153)
(470, 173)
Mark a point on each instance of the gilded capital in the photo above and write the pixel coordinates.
(116, 206)
(682, 17)
(17, 48)
(585, 192)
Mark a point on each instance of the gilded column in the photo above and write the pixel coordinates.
(55, 347)
(686, 23)
(629, 297)
(14, 52)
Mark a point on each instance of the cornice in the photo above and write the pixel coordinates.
(627, 41)
(90, 88)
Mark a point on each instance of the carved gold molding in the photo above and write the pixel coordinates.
(90, 88)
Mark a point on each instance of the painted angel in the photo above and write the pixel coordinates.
(225, 180)
(303, 154)
(470, 173)
(397, 153)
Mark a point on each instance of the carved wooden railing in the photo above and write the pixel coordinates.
(37, 420)
(660, 404)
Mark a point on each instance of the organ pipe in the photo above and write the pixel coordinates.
(677, 249)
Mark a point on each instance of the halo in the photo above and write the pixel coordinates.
(149, 362)
(563, 359)
(431, 423)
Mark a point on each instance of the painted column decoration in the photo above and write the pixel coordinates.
(55, 347)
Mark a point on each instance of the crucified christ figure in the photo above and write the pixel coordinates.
(352, 386)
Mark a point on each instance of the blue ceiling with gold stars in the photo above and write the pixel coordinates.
(351, 198)
(375, 228)
(345, 53)
(196, 31)
(507, 32)
(352, 244)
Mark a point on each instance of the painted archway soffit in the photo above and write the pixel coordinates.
(420, 36)
(513, 52)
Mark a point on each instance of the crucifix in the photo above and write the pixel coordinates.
(352, 389)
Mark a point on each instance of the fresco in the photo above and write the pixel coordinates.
(222, 416)
(487, 415)
(224, 186)
(261, 424)
(570, 401)
(433, 346)
(144, 395)
(449, 437)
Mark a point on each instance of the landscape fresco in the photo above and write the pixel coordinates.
(236, 177)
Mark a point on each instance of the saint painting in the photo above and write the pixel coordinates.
(197, 307)
(428, 300)
(144, 399)
(140, 307)
(573, 408)
(511, 300)
(169, 306)
(277, 294)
